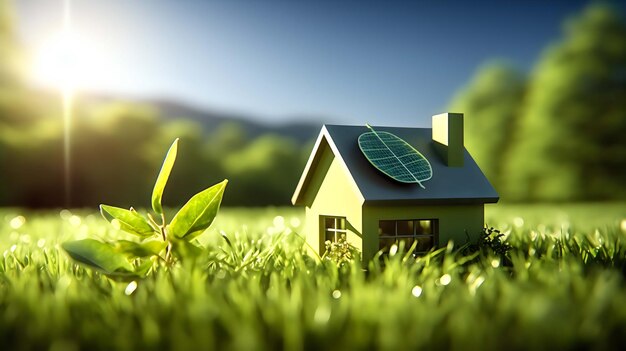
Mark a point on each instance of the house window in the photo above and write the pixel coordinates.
(333, 228)
(424, 231)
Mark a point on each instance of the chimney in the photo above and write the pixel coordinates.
(448, 138)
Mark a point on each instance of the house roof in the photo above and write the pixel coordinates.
(449, 185)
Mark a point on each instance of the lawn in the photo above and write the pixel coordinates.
(561, 286)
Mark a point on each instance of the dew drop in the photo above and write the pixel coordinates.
(479, 281)
(130, 288)
(336, 294)
(295, 222)
(75, 220)
(393, 250)
(279, 222)
(65, 214)
(17, 222)
(322, 315)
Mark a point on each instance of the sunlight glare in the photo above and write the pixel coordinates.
(63, 63)
(66, 62)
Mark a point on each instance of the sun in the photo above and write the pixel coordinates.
(66, 62)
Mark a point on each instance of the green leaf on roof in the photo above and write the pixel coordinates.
(395, 157)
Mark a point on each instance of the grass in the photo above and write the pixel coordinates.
(562, 287)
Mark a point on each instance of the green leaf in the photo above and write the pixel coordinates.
(98, 255)
(143, 249)
(183, 249)
(395, 157)
(127, 220)
(198, 213)
(164, 174)
(143, 269)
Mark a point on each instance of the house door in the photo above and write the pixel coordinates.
(332, 228)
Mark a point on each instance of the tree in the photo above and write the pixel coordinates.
(227, 138)
(114, 153)
(264, 172)
(15, 107)
(11, 70)
(491, 105)
(571, 143)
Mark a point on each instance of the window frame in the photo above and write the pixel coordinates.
(434, 223)
(335, 229)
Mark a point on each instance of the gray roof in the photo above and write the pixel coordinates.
(458, 185)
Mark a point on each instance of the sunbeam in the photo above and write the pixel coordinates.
(68, 98)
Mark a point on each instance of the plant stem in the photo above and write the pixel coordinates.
(163, 228)
(168, 249)
(153, 223)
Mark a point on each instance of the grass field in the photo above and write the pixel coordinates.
(562, 286)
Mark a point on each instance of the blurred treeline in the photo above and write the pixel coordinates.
(559, 132)
(117, 150)
(116, 153)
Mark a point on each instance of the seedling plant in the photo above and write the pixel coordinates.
(158, 243)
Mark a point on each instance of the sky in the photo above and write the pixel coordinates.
(352, 62)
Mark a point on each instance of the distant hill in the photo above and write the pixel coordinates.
(299, 131)
(302, 131)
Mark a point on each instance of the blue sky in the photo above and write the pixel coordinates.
(386, 63)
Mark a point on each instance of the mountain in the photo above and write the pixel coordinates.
(302, 131)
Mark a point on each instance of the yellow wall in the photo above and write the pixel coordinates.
(332, 193)
(454, 222)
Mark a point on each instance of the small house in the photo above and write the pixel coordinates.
(343, 193)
